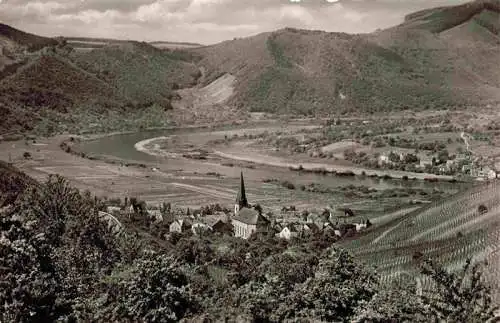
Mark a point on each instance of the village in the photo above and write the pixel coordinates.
(244, 221)
(461, 164)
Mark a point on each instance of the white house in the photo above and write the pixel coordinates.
(199, 227)
(360, 226)
(288, 232)
(384, 159)
(425, 160)
(156, 215)
(484, 173)
(180, 226)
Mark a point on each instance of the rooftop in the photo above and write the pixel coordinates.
(250, 216)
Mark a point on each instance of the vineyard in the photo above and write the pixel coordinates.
(449, 231)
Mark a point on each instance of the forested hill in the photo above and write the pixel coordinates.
(438, 58)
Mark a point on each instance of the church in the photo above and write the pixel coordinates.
(247, 220)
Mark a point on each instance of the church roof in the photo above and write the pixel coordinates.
(241, 198)
(250, 216)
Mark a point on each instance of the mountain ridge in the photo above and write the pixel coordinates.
(409, 66)
(439, 58)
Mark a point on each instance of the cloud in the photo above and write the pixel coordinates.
(205, 21)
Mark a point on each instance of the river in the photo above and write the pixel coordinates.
(122, 146)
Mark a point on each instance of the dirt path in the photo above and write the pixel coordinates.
(386, 232)
(393, 215)
(205, 191)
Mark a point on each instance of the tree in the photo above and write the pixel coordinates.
(393, 157)
(51, 205)
(154, 290)
(459, 297)
(397, 303)
(62, 248)
(29, 281)
(338, 287)
(443, 156)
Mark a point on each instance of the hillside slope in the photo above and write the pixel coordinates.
(16, 44)
(140, 71)
(49, 83)
(13, 182)
(423, 63)
(11, 37)
(55, 88)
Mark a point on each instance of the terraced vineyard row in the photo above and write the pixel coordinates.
(445, 216)
(448, 231)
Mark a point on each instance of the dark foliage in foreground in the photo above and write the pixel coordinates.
(59, 262)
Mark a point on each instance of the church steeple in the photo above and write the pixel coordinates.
(241, 198)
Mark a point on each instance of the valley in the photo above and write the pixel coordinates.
(386, 145)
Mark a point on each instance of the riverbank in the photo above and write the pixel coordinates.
(331, 168)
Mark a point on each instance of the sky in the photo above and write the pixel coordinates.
(203, 21)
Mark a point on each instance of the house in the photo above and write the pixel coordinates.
(331, 229)
(363, 225)
(319, 218)
(489, 173)
(360, 226)
(214, 223)
(426, 161)
(275, 227)
(199, 227)
(484, 173)
(288, 232)
(180, 225)
(466, 168)
(312, 227)
(247, 221)
(156, 215)
(384, 159)
(346, 228)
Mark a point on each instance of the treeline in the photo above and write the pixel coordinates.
(58, 262)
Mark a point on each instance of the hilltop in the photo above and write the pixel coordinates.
(86, 43)
(11, 38)
(438, 58)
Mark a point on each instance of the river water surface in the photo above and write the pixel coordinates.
(122, 146)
